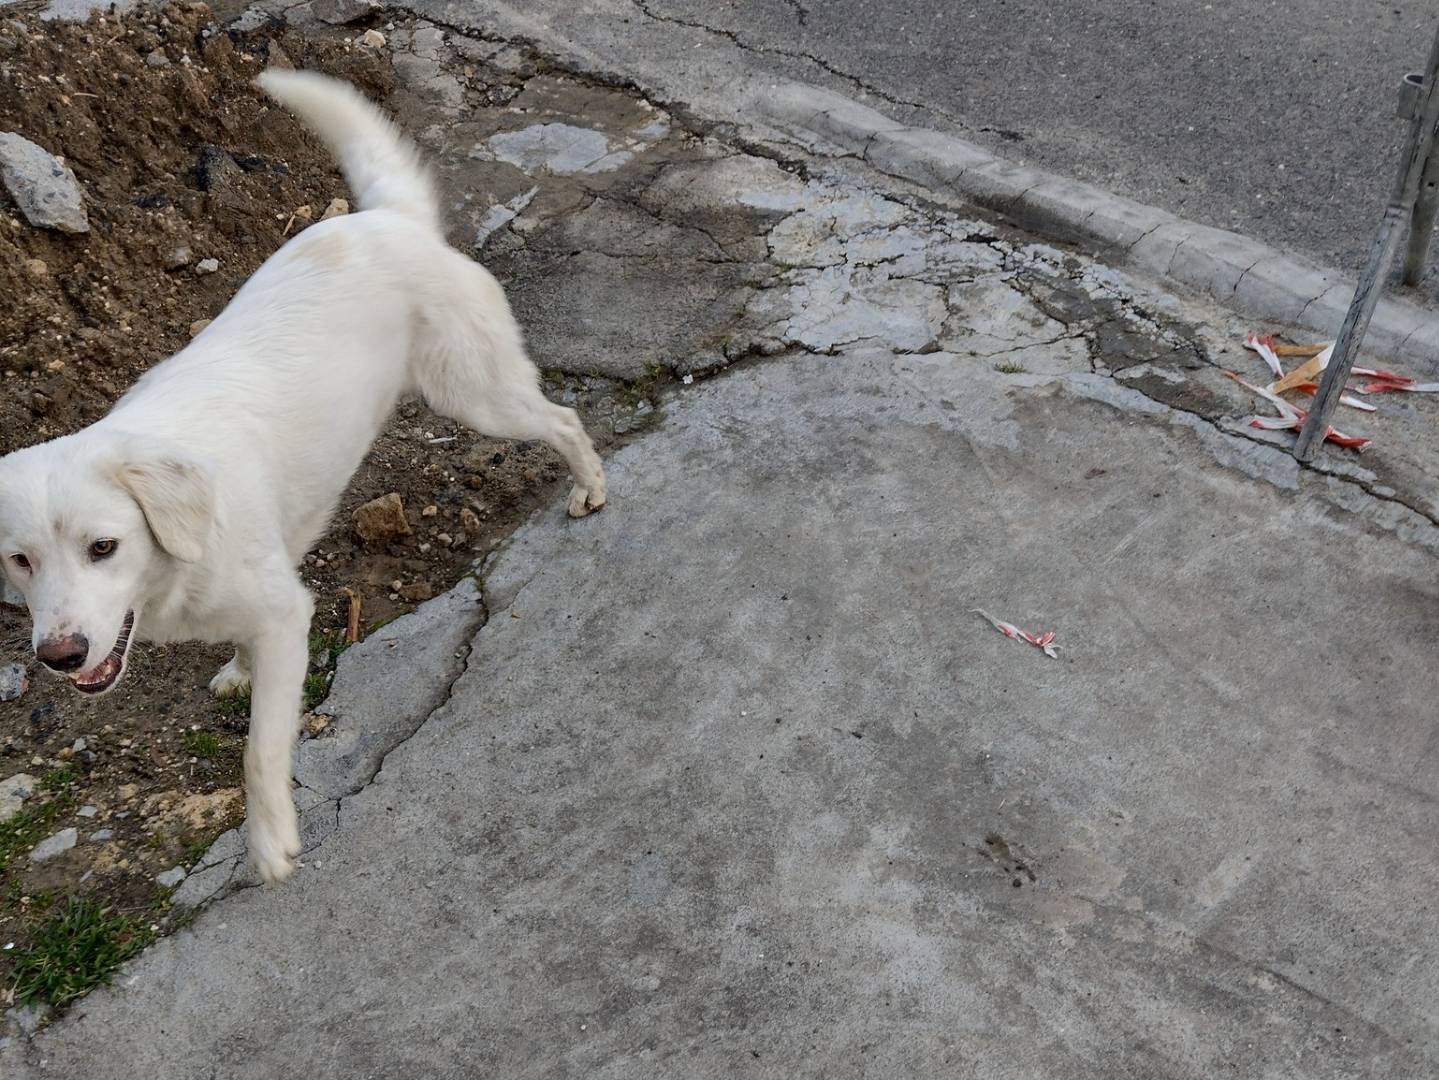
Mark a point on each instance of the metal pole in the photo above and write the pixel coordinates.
(1381, 254)
(1423, 226)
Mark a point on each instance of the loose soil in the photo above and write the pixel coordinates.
(182, 160)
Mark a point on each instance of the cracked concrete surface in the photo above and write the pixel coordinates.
(726, 780)
(734, 785)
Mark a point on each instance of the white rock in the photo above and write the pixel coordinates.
(14, 791)
(88, 811)
(372, 39)
(51, 846)
(102, 834)
(42, 185)
(171, 877)
(207, 266)
(13, 681)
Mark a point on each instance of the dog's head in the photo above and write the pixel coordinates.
(89, 528)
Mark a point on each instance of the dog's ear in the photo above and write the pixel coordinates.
(176, 497)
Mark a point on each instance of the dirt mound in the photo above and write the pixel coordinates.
(181, 161)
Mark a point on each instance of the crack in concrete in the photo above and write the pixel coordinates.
(1141, 237)
(1237, 281)
(734, 39)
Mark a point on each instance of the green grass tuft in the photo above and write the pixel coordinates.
(1009, 368)
(77, 947)
(234, 705)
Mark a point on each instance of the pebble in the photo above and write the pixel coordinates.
(171, 877)
(197, 327)
(14, 790)
(42, 185)
(372, 39)
(157, 59)
(430, 511)
(37, 267)
(13, 681)
(382, 518)
(102, 834)
(180, 255)
(52, 846)
(79, 745)
(337, 208)
(88, 811)
(207, 266)
(470, 520)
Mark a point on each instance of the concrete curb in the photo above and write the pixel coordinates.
(1253, 278)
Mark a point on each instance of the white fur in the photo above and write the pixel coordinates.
(223, 465)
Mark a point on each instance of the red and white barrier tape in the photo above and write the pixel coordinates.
(1044, 642)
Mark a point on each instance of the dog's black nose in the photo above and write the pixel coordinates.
(63, 654)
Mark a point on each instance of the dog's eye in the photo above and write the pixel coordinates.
(102, 549)
(20, 561)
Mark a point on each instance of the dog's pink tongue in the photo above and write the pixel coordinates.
(102, 672)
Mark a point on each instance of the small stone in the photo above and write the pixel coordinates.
(127, 791)
(303, 213)
(14, 790)
(430, 511)
(102, 834)
(337, 208)
(65, 753)
(157, 59)
(372, 39)
(37, 267)
(314, 724)
(207, 266)
(445, 538)
(417, 591)
(54, 845)
(470, 520)
(13, 682)
(42, 185)
(180, 255)
(79, 745)
(382, 519)
(198, 326)
(171, 877)
(87, 811)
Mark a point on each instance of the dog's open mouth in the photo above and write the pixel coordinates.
(104, 675)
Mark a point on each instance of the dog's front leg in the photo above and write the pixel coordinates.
(279, 658)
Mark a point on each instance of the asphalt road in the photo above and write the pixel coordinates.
(1274, 118)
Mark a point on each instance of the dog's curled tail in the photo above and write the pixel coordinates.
(382, 167)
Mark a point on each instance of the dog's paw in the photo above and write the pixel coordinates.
(275, 849)
(230, 679)
(586, 500)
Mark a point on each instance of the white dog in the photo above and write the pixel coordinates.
(183, 514)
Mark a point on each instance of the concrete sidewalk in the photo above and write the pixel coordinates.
(735, 785)
(729, 781)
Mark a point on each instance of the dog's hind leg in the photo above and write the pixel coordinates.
(471, 366)
(234, 677)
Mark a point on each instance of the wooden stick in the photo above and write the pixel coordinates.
(352, 626)
(1299, 350)
(1381, 254)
